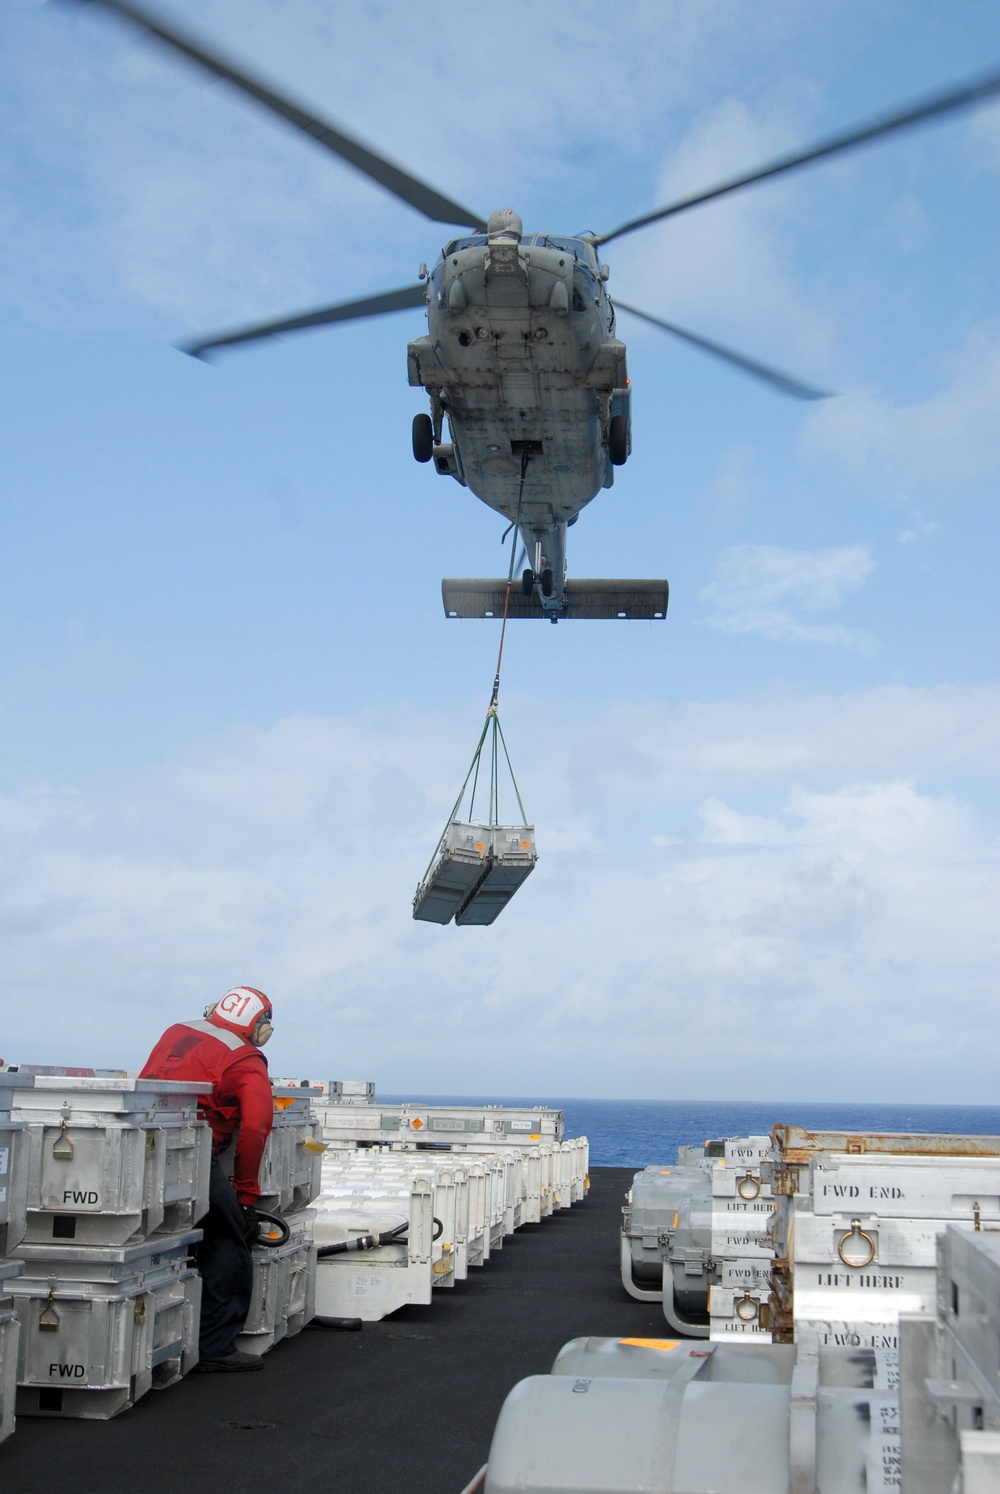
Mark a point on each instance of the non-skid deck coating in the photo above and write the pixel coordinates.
(406, 1406)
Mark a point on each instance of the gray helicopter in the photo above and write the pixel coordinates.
(530, 403)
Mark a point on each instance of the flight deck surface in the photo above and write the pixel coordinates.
(408, 1403)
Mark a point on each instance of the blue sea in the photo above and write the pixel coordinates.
(641, 1133)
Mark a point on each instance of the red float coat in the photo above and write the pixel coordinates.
(240, 1103)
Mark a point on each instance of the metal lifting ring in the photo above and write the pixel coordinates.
(856, 1233)
(748, 1186)
(746, 1308)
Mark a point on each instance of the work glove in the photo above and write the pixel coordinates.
(251, 1227)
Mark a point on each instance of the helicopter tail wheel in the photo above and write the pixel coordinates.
(423, 438)
(527, 582)
(546, 583)
(618, 441)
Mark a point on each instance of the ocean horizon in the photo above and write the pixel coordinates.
(642, 1133)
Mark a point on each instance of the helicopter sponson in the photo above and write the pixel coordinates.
(521, 360)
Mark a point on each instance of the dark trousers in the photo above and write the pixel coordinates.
(226, 1268)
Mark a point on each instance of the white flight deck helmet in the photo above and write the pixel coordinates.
(245, 1011)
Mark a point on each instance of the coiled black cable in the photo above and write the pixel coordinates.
(372, 1242)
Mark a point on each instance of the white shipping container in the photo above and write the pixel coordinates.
(92, 1348)
(734, 1313)
(738, 1182)
(108, 1159)
(865, 1239)
(10, 1330)
(373, 1283)
(284, 1288)
(908, 1187)
(746, 1273)
(841, 1334)
(875, 1295)
(13, 1185)
(747, 1151)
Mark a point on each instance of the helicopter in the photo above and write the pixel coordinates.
(530, 400)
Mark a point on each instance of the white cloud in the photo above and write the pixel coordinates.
(761, 588)
(758, 876)
(727, 270)
(944, 442)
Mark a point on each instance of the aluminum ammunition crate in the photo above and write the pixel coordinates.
(110, 1159)
(373, 1284)
(513, 860)
(940, 1187)
(463, 860)
(478, 870)
(284, 1288)
(736, 1312)
(13, 1185)
(10, 1330)
(876, 1295)
(92, 1347)
(651, 1209)
(116, 1265)
(291, 1167)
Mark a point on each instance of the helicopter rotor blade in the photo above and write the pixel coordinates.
(782, 382)
(885, 124)
(393, 178)
(344, 311)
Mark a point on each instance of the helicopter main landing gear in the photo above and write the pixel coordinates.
(527, 582)
(423, 438)
(618, 441)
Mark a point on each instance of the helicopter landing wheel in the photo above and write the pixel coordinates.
(527, 582)
(618, 441)
(423, 438)
(546, 583)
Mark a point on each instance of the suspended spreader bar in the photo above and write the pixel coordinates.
(597, 600)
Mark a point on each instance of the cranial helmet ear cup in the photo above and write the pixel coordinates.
(262, 1031)
(210, 1008)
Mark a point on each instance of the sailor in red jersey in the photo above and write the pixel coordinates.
(224, 1050)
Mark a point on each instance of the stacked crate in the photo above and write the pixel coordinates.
(115, 1175)
(368, 1194)
(697, 1237)
(10, 1332)
(284, 1287)
(857, 1227)
(741, 1243)
(651, 1214)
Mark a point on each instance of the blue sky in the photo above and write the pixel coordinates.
(232, 714)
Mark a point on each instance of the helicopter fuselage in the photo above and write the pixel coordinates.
(520, 359)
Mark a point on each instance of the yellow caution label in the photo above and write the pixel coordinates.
(535, 1136)
(651, 1343)
(282, 1102)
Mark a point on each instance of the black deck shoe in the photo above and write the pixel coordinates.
(235, 1363)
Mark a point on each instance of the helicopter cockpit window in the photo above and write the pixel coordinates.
(584, 289)
(471, 241)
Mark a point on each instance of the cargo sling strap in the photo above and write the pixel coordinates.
(491, 725)
(478, 865)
